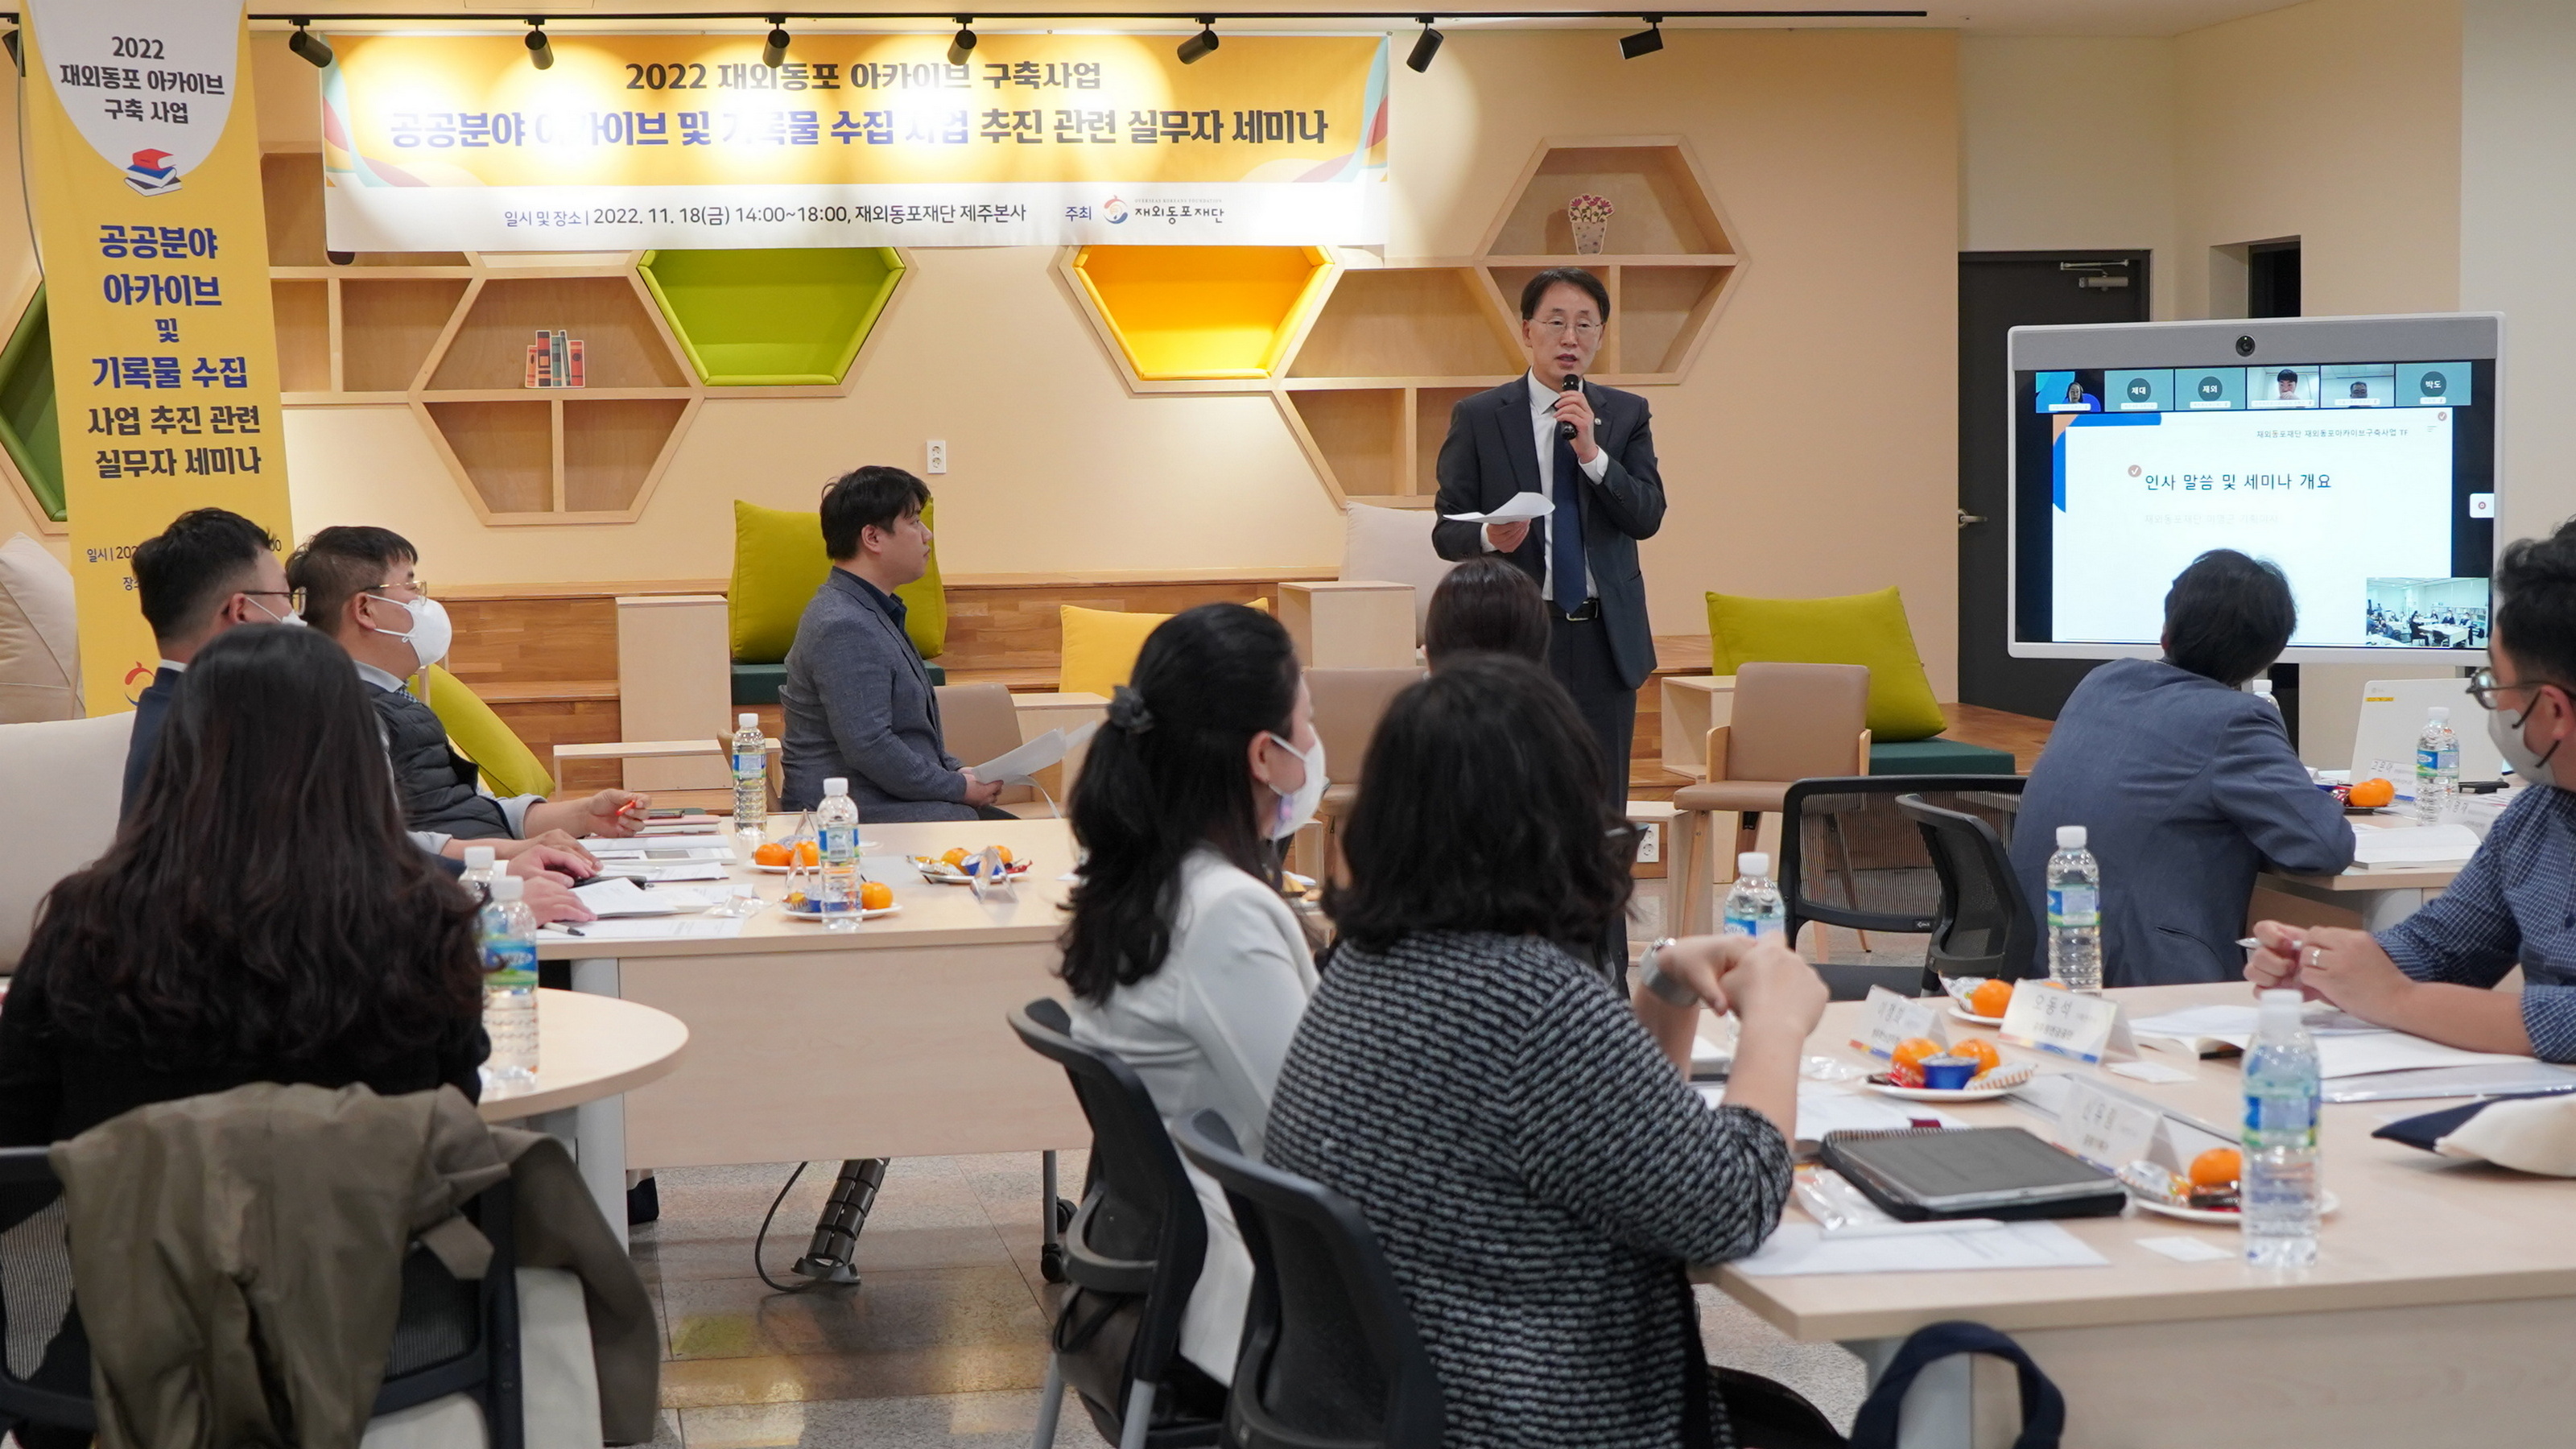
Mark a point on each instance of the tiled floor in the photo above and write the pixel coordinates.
(943, 1344)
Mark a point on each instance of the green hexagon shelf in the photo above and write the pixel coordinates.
(787, 318)
(29, 432)
(1180, 314)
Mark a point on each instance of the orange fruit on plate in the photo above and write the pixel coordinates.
(955, 856)
(1991, 998)
(1003, 853)
(2218, 1167)
(1980, 1051)
(808, 853)
(1905, 1064)
(875, 895)
(2372, 793)
(772, 853)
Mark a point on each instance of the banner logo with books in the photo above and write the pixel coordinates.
(631, 142)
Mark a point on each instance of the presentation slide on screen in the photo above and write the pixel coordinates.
(2355, 506)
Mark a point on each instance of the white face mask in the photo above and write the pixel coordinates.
(1297, 808)
(2507, 735)
(291, 620)
(431, 632)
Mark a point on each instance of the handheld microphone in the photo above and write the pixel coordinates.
(1564, 430)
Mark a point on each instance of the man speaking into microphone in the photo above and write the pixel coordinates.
(1588, 450)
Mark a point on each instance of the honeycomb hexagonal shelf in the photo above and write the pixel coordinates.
(31, 444)
(793, 317)
(1201, 314)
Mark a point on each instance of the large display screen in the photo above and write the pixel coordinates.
(2370, 483)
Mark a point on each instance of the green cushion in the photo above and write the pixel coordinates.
(758, 683)
(1867, 629)
(508, 765)
(778, 563)
(1938, 757)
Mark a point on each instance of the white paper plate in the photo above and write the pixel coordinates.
(1964, 1094)
(939, 872)
(1964, 1014)
(796, 915)
(2325, 1205)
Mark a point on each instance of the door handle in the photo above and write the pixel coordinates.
(1966, 518)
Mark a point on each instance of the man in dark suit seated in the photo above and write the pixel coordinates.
(208, 571)
(857, 697)
(2184, 783)
(1588, 449)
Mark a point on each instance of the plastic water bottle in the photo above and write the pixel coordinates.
(750, 781)
(2278, 1195)
(2262, 689)
(1754, 907)
(479, 872)
(510, 984)
(836, 830)
(2437, 767)
(2074, 913)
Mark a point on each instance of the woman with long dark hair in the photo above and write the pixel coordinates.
(261, 917)
(1182, 958)
(1526, 1142)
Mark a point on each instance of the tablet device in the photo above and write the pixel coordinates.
(1988, 1172)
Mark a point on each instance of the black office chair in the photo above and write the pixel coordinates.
(1330, 1357)
(1132, 1254)
(450, 1336)
(1985, 927)
(1850, 857)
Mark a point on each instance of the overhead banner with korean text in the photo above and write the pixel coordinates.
(458, 143)
(143, 167)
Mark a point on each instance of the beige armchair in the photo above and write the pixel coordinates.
(979, 722)
(1348, 705)
(1791, 722)
(59, 779)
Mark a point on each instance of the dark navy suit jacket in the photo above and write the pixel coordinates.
(148, 710)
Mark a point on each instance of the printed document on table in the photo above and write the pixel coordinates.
(1519, 509)
(2423, 845)
(1799, 1249)
(615, 895)
(657, 928)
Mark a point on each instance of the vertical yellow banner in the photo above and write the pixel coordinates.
(143, 164)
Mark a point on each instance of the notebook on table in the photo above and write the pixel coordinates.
(1974, 1172)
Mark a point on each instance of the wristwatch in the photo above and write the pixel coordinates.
(1650, 974)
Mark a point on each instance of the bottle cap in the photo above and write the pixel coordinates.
(509, 888)
(2261, 686)
(2438, 712)
(2070, 837)
(1753, 862)
(2272, 1006)
(747, 720)
(478, 857)
(836, 786)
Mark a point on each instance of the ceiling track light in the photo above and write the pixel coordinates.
(541, 53)
(1425, 46)
(774, 53)
(1196, 48)
(315, 50)
(1644, 42)
(963, 45)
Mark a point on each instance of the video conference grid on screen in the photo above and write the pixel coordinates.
(2382, 532)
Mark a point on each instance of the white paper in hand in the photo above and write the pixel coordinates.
(1016, 766)
(1521, 508)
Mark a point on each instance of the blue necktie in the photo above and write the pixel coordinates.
(1565, 530)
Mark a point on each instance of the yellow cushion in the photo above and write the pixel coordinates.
(1867, 629)
(508, 766)
(778, 563)
(1101, 645)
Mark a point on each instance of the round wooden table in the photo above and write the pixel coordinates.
(590, 1050)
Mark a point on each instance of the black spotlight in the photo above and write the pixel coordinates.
(1644, 42)
(774, 53)
(541, 54)
(963, 44)
(1196, 48)
(16, 48)
(1425, 46)
(315, 50)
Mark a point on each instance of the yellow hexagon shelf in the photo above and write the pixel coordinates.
(1201, 315)
(793, 317)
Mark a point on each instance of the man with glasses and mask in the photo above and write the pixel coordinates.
(360, 586)
(2431, 973)
(208, 571)
(1588, 449)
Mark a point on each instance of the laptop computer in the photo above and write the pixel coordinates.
(2392, 715)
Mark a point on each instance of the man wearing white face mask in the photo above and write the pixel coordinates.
(361, 586)
(2430, 973)
(208, 571)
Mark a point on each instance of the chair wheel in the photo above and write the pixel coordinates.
(1064, 1211)
(1051, 1263)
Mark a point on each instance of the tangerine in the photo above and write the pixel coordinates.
(1992, 997)
(1980, 1051)
(1905, 1064)
(875, 895)
(2371, 794)
(1002, 853)
(773, 853)
(2218, 1167)
(808, 853)
(955, 856)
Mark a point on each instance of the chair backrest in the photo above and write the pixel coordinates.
(1985, 927)
(1139, 1232)
(1330, 1353)
(978, 722)
(450, 1335)
(1849, 857)
(1348, 705)
(68, 774)
(1794, 721)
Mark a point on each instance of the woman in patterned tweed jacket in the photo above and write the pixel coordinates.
(1524, 1142)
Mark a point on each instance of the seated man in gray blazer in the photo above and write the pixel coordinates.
(857, 695)
(2184, 784)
